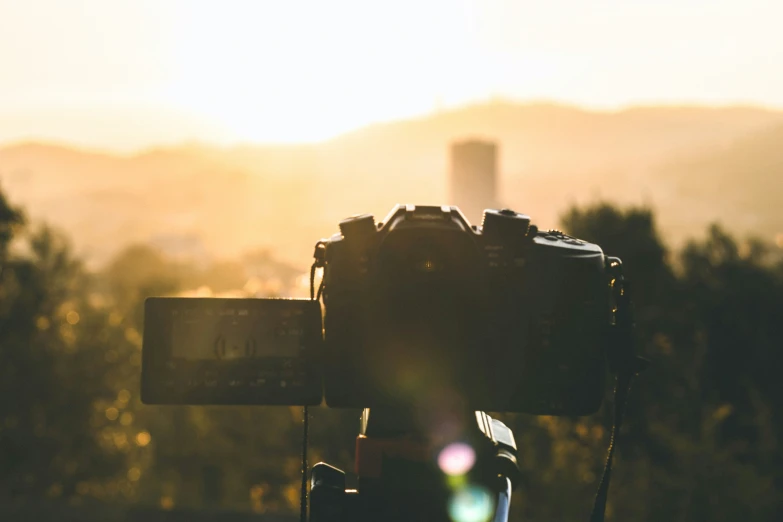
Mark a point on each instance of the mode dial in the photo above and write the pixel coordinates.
(357, 226)
(504, 224)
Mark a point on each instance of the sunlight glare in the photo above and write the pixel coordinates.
(293, 71)
(456, 458)
(471, 504)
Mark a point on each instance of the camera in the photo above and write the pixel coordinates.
(420, 308)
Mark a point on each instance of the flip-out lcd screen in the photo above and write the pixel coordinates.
(231, 351)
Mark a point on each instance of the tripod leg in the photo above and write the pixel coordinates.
(504, 501)
(327, 493)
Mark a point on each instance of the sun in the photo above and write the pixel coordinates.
(306, 71)
(251, 76)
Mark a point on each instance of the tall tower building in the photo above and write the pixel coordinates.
(473, 179)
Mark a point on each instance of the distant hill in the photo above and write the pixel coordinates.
(739, 185)
(692, 164)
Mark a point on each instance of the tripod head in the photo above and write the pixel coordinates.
(408, 473)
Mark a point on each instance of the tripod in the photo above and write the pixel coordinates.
(407, 474)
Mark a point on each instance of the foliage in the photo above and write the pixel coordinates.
(702, 443)
(62, 358)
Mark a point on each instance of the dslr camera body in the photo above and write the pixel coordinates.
(421, 308)
(501, 317)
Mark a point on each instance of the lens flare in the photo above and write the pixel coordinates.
(471, 504)
(456, 459)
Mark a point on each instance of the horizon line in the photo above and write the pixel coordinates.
(226, 145)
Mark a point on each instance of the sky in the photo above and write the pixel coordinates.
(129, 74)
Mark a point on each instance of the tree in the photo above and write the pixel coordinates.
(11, 219)
(60, 356)
(702, 435)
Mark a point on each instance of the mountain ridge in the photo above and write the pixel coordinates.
(551, 156)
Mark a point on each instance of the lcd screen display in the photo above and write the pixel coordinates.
(235, 333)
(231, 351)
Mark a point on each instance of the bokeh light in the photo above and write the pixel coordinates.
(166, 502)
(471, 504)
(143, 438)
(455, 482)
(123, 396)
(456, 459)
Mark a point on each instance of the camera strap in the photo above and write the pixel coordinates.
(303, 492)
(319, 262)
(621, 390)
(625, 364)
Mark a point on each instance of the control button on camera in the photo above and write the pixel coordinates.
(358, 226)
(504, 224)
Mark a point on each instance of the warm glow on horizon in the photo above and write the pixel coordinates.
(122, 75)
